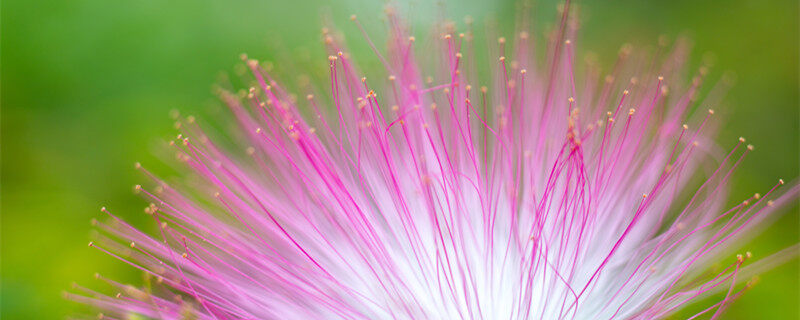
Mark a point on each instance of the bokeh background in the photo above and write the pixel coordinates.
(87, 86)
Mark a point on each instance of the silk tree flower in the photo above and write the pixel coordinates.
(443, 186)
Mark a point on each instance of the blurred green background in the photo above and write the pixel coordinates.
(87, 86)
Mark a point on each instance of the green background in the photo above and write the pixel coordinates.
(87, 85)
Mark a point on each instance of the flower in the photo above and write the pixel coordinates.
(545, 194)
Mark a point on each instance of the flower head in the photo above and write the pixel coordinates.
(431, 189)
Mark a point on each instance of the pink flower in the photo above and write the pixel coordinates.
(430, 191)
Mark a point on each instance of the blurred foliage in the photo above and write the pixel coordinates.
(87, 85)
